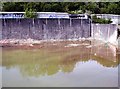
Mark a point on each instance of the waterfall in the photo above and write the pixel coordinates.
(113, 38)
(105, 32)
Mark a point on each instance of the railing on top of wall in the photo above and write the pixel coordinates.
(6, 15)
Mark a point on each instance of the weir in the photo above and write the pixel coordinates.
(57, 28)
(105, 32)
(43, 29)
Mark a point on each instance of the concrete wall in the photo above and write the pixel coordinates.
(45, 28)
(40, 29)
(105, 32)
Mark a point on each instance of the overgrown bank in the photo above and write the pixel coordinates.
(70, 7)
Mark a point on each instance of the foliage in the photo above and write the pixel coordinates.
(76, 12)
(100, 20)
(93, 7)
(13, 6)
(30, 13)
(1, 6)
(72, 7)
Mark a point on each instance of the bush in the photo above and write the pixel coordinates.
(30, 13)
(76, 12)
(100, 20)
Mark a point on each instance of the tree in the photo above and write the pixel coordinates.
(73, 6)
(1, 4)
(47, 7)
(82, 7)
(118, 6)
(104, 11)
(30, 13)
(93, 7)
(55, 7)
(112, 8)
(13, 6)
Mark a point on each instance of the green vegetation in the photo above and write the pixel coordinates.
(76, 12)
(100, 20)
(0, 6)
(70, 7)
(29, 13)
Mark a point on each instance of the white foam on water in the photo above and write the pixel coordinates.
(72, 45)
(89, 46)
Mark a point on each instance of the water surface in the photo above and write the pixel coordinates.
(59, 64)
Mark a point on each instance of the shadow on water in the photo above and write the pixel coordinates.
(57, 56)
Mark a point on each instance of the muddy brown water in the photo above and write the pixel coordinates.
(60, 64)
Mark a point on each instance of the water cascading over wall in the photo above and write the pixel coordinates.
(105, 32)
(42, 29)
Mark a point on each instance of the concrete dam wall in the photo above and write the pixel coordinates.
(104, 32)
(42, 29)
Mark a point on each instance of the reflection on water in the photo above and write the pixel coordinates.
(63, 65)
